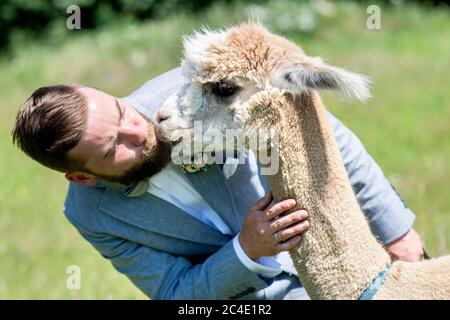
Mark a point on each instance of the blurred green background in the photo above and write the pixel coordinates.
(405, 126)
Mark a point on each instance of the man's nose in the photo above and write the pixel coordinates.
(161, 116)
(134, 135)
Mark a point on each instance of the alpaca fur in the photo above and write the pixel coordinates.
(339, 257)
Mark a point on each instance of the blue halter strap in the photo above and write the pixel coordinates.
(370, 292)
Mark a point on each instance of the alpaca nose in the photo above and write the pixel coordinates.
(160, 117)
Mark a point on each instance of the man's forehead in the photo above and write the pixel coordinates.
(97, 98)
(102, 116)
(92, 105)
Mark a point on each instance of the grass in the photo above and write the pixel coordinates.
(404, 126)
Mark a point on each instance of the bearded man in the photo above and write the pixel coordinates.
(185, 236)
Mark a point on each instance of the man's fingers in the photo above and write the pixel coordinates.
(292, 231)
(290, 244)
(262, 203)
(279, 208)
(291, 218)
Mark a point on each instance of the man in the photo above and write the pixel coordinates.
(185, 236)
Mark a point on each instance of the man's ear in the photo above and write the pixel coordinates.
(80, 177)
(315, 74)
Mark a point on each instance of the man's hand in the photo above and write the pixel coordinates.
(266, 234)
(407, 248)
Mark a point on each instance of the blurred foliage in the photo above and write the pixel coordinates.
(22, 20)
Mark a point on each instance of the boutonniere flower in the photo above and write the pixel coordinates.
(195, 165)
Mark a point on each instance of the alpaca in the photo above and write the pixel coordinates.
(247, 78)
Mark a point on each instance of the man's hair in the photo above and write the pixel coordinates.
(50, 123)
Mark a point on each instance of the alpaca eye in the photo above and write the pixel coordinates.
(224, 89)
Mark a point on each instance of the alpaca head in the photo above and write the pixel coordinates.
(237, 77)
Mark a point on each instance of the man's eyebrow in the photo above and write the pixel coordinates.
(119, 109)
(112, 145)
(113, 141)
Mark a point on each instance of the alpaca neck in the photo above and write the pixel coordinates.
(338, 256)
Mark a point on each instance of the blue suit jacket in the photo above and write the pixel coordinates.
(169, 254)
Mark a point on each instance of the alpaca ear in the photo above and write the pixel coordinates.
(318, 75)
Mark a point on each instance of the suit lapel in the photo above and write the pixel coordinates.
(214, 188)
(152, 213)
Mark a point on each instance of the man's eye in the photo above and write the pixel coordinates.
(224, 89)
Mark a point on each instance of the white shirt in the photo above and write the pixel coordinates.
(172, 186)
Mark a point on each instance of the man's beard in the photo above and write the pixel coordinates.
(152, 160)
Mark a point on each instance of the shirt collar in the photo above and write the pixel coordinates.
(133, 190)
(138, 189)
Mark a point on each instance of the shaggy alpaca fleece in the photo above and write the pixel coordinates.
(338, 257)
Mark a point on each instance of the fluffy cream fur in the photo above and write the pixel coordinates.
(338, 257)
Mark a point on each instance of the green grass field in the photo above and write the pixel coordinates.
(405, 126)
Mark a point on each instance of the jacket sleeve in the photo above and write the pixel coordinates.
(387, 213)
(162, 276)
